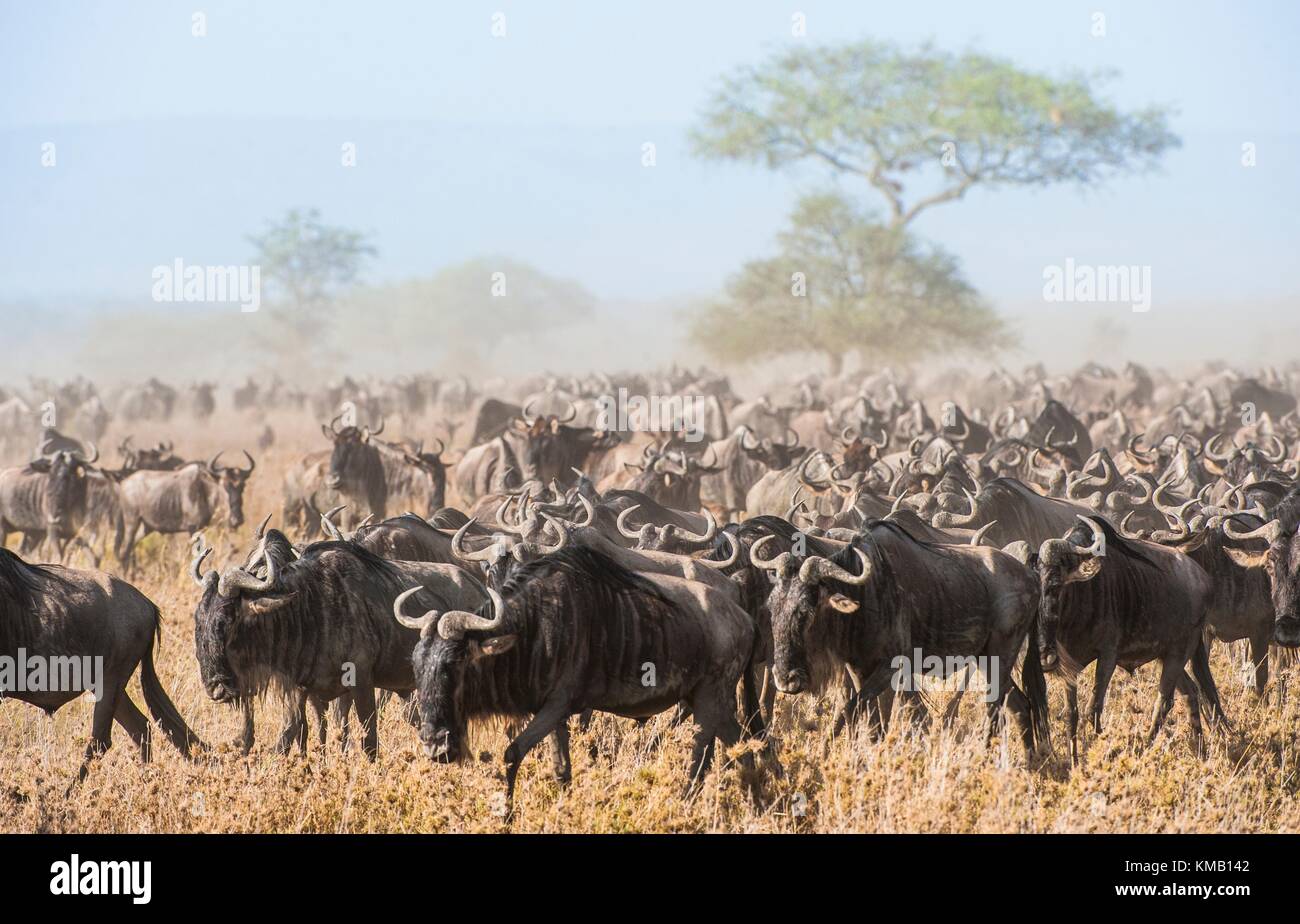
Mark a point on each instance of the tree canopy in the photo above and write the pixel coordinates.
(308, 264)
(923, 127)
(842, 281)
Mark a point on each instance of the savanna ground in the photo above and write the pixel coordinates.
(944, 779)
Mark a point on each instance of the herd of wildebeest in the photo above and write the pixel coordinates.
(699, 558)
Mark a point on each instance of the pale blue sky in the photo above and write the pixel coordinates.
(529, 145)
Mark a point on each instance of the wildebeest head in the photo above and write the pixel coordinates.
(771, 453)
(65, 486)
(551, 448)
(355, 468)
(449, 643)
(1076, 557)
(221, 605)
(432, 465)
(804, 589)
(1237, 463)
(232, 482)
(1280, 560)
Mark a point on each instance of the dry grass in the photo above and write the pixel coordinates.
(940, 780)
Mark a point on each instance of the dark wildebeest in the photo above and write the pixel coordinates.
(575, 631)
(321, 624)
(1279, 560)
(356, 469)
(1241, 607)
(1018, 512)
(1123, 602)
(69, 619)
(956, 603)
(542, 448)
(46, 500)
(180, 501)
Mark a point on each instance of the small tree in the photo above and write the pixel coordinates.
(922, 128)
(844, 281)
(309, 264)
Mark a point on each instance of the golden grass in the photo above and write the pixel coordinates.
(936, 780)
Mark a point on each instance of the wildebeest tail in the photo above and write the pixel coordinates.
(160, 705)
(1035, 684)
(119, 532)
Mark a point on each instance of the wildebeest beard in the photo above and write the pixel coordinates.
(555, 608)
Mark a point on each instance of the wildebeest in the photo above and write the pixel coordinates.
(73, 621)
(356, 469)
(180, 501)
(951, 602)
(574, 631)
(1123, 602)
(45, 499)
(321, 623)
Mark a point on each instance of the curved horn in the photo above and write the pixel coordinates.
(455, 623)
(710, 529)
(197, 564)
(236, 580)
(1149, 456)
(817, 569)
(421, 624)
(573, 412)
(764, 564)
(1269, 532)
(978, 537)
(251, 464)
(622, 520)
(1217, 457)
(213, 467)
(726, 563)
(1098, 545)
(458, 548)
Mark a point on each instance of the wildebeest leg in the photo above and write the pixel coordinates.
(134, 723)
(1205, 681)
(1072, 704)
(1188, 689)
(717, 721)
(560, 753)
(753, 726)
(553, 714)
(246, 734)
(363, 701)
(318, 708)
(127, 554)
(295, 727)
(1259, 654)
(1169, 673)
(1101, 682)
(101, 728)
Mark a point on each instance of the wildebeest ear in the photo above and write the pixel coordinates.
(1085, 571)
(1243, 559)
(498, 644)
(555, 425)
(843, 604)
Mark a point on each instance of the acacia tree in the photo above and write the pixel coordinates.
(844, 281)
(920, 128)
(944, 123)
(309, 264)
